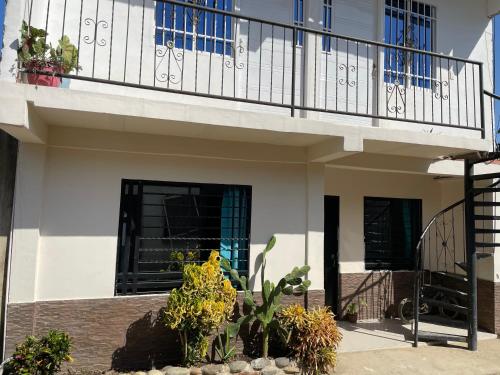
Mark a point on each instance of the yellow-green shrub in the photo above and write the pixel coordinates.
(312, 337)
(202, 304)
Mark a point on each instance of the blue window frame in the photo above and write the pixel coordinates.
(327, 24)
(189, 28)
(298, 19)
(411, 24)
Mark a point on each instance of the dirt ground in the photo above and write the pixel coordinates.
(424, 360)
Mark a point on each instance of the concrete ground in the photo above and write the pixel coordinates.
(424, 360)
(390, 334)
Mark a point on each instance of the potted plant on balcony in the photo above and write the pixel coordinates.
(41, 61)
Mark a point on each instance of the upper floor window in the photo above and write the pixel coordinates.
(165, 225)
(189, 29)
(327, 24)
(298, 20)
(410, 24)
(392, 229)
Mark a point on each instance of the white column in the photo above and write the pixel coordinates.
(312, 48)
(315, 224)
(28, 203)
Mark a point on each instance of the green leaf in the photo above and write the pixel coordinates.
(299, 290)
(225, 265)
(268, 248)
(248, 300)
(266, 290)
(232, 329)
(288, 290)
(306, 283)
(296, 281)
(243, 282)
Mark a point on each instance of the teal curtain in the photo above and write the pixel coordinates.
(234, 231)
(407, 227)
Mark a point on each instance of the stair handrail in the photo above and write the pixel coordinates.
(444, 210)
(419, 264)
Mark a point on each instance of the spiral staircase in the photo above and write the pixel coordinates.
(448, 252)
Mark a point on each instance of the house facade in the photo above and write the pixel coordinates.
(334, 125)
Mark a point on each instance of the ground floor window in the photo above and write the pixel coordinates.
(164, 225)
(392, 229)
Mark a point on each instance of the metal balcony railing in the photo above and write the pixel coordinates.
(180, 47)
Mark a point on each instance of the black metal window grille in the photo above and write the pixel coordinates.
(391, 227)
(165, 225)
(410, 24)
(192, 29)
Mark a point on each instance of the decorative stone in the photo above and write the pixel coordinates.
(140, 373)
(249, 373)
(195, 371)
(291, 369)
(259, 363)
(175, 370)
(155, 372)
(210, 369)
(237, 366)
(269, 370)
(282, 362)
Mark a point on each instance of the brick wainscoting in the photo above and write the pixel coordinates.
(488, 305)
(381, 290)
(120, 333)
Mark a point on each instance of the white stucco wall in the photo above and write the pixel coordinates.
(353, 186)
(65, 234)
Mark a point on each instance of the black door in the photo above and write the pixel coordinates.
(331, 251)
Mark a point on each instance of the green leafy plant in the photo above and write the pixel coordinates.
(36, 54)
(224, 349)
(33, 47)
(312, 337)
(41, 356)
(203, 303)
(354, 307)
(292, 283)
(179, 258)
(65, 55)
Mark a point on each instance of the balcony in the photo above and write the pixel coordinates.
(182, 48)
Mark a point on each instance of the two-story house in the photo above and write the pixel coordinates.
(214, 124)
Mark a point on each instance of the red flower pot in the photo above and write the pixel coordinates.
(47, 78)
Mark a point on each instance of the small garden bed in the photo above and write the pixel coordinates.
(305, 340)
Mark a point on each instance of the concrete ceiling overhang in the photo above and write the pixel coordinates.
(28, 112)
(493, 7)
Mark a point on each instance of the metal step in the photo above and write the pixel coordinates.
(487, 244)
(486, 217)
(484, 255)
(440, 288)
(462, 265)
(487, 230)
(455, 276)
(440, 337)
(485, 176)
(486, 204)
(448, 306)
(487, 190)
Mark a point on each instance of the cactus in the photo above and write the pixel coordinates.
(292, 283)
